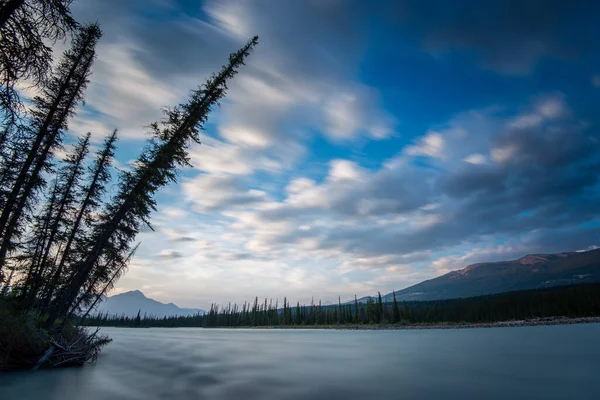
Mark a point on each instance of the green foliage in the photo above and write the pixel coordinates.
(21, 340)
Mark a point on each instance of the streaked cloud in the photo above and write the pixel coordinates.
(342, 161)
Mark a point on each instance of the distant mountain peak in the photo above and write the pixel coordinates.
(129, 303)
(133, 293)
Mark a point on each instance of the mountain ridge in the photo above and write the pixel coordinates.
(134, 301)
(532, 271)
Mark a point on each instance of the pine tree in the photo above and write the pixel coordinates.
(395, 310)
(371, 310)
(49, 120)
(356, 316)
(68, 178)
(93, 192)
(157, 166)
(138, 318)
(107, 272)
(298, 316)
(28, 29)
(379, 314)
(284, 315)
(118, 271)
(255, 312)
(406, 312)
(13, 147)
(318, 315)
(36, 245)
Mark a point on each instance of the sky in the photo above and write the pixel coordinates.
(365, 146)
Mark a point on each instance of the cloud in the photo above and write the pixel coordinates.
(543, 184)
(431, 145)
(292, 75)
(303, 185)
(208, 192)
(476, 159)
(221, 157)
(169, 254)
(185, 239)
(547, 108)
(350, 113)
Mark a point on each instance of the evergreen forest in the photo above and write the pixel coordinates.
(565, 301)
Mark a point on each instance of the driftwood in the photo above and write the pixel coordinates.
(44, 358)
(83, 348)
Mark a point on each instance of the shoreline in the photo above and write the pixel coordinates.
(547, 321)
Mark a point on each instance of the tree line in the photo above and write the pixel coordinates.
(63, 241)
(570, 301)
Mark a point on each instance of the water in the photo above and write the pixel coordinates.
(544, 362)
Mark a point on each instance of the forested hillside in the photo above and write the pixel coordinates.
(568, 301)
(534, 271)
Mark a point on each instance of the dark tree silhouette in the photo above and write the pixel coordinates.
(66, 246)
(49, 120)
(157, 166)
(28, 29)
(69, 179)
(395, 310)
(92, 196)
(582, 300)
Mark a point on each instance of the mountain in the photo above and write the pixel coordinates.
(530, 272)
(129, 303)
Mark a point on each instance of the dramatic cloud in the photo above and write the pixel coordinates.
(546, 182)
(472, 137)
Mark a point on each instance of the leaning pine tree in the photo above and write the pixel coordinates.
(50, 114)
(77, 242)
(43, 259)
(29, 261)
(69, 178)
(28, 29)
(157, 166)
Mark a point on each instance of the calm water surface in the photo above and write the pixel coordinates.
(552, 362)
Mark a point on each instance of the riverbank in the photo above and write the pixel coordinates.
(440, 325)
(25, 342)
(406, 325)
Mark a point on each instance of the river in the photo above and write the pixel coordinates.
(539, 362)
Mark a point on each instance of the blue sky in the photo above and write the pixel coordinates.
(365, 147)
